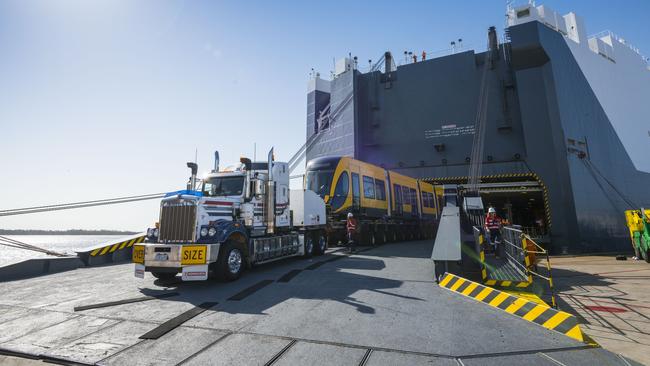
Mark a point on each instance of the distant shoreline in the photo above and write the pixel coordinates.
(66, 232)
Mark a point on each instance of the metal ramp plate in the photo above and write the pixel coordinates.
(500, 269)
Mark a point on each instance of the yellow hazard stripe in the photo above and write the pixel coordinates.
(499, 299)
(105, 250)
(516, 305)
(456, 285)
(445, 281)
(117, 246)
(469, 288)
(483, 294)
(556, 320)
(537, 311)
(540, 314)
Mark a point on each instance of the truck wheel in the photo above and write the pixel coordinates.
(365, 236)
(321, 244)
(231, 262)
(372, 237)
(165, 276)
(309, 245)
(379, 236)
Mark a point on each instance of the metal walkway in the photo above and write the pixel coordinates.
(501, 269)
(378, 307)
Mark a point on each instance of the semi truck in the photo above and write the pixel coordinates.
(232, 219)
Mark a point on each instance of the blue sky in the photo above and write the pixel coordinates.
(103, 99)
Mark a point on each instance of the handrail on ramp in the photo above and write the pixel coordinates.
(521, 253)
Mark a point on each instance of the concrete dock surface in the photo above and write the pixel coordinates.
(380, 306)
(611, 299)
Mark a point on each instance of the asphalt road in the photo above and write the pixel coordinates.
(378, 307)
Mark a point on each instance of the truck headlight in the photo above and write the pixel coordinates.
(155, 232)
(204, 231)
(212, 231)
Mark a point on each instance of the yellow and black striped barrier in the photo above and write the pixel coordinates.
(117, 246)
(500, 283)
(531, 311)
(111, 253)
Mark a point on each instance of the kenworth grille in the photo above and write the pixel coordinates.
(178, 221)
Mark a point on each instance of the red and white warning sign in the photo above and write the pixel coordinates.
(195, 273)
(139, 270)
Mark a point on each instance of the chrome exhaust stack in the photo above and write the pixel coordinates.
(191, 185)
(216, 162)
(270, 197)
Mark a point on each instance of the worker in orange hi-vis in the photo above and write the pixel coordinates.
(424, 55)
(351, 226)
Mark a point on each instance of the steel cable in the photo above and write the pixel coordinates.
(68, 206)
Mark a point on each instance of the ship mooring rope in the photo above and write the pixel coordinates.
(68, 206)
(12, 243)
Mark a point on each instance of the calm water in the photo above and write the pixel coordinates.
(59, 243)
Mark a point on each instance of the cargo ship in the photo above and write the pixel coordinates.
(566, 126)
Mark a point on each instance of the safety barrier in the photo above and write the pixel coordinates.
(514, 275)
(111, 253)
(531, 311)
(522, 251)
(117, 246)
(479, 240)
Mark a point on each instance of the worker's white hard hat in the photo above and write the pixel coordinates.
(350, 214)
(492, 210)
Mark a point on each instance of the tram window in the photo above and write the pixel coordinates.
(414, 197)
(425, 200)
(398, 194)
(368, 187)
(341, 191)
(380, 190)
(405, 196)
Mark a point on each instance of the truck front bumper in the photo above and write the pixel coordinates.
(191, 260)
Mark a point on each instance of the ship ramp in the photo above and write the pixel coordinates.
(380, 306)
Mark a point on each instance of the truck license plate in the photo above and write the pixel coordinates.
(161, 257)
(138, 254)
(194, 254)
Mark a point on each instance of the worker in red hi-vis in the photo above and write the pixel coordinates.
(351, 226)
(493, 227)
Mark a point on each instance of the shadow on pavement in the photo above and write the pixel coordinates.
(334, 280)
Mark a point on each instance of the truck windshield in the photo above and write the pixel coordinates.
(223, 186)
(319, 181)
